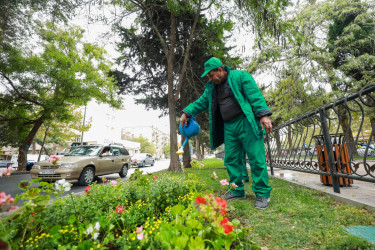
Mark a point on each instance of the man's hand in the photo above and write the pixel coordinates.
(265, 122)
(183, 119)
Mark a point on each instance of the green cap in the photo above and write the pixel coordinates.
(212, 63)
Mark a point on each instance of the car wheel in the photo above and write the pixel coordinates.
(87, 176)
(124, 171)
(152, 164)
(143, 164)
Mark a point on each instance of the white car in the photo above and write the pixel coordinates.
(361, 151)
(143, 159)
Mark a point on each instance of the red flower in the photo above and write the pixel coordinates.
(32, 214)
(120, 209)
(200, 200)
(87, 189)
(223, 212)
(210, 195)
(154, 177)
(228, 228)
(221, 202)
(224, 221)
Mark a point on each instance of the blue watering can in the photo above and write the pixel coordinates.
(191, 129)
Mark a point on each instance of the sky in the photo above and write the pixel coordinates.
(104, 118)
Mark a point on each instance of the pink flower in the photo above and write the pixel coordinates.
(105, 180)
(54, 158)
(139, 229)
(224, 182)
(202, 165)
(215, 176)
(5, 199)
(233, 185)
(113, 183)
(140, 236)
(194, 157)
(7, 171)
(13, 208)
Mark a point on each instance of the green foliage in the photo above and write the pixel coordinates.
(146, 146)
(167, 150)
(42, 85)
(148, 211)
(297, 217)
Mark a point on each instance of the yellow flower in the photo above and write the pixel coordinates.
(98, 245)
(133, 238)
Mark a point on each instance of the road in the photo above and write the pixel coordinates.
(9, 185)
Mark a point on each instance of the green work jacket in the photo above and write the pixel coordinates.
(248, 95)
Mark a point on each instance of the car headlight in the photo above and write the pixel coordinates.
(36, 166)
(68, 165)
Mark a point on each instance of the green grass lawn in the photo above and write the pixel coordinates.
(297, 218)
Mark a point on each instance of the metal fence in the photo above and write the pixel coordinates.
(335, 141)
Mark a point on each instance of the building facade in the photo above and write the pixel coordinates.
(155, 136)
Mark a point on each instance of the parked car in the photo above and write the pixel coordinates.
(31, 160)
(362, 151)
(5, 163)
(85, 163)
(143, 159)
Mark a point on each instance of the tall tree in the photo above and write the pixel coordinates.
(41, 85)
(168, 20)
(166, 34)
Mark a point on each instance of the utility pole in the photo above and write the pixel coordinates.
(84, 118)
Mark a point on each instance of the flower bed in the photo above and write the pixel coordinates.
(147, 212)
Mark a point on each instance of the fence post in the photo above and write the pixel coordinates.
(331, 160)
(269, 152)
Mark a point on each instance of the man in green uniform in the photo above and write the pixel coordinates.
(238, 113)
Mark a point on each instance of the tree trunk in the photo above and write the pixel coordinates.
(42, 146)
(174, 164)
(278, 142)
(197, 149)
(24, 148)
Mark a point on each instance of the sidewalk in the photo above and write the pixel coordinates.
(361, 194)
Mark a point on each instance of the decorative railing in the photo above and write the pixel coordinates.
(335, 141)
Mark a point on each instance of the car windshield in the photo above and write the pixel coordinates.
(85, 150)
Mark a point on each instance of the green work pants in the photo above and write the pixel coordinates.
(239, 137)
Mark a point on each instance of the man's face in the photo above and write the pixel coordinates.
(217, 76)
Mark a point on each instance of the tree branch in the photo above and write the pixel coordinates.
(19, 93)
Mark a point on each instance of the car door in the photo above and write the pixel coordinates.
(118, 158)
(105, 161)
